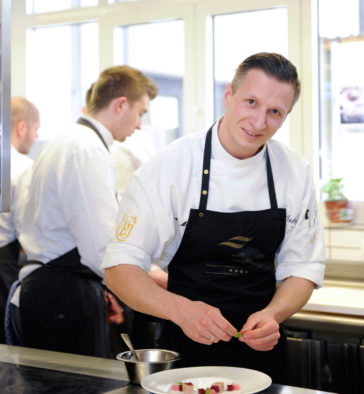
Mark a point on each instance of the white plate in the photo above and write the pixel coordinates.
(249, 380)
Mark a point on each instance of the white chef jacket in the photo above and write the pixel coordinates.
(71, 199)
(157, 202)
(10, 222)
(125, 165)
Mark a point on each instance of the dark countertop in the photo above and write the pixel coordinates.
(38, 371)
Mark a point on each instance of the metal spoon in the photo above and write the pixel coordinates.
(129, 345)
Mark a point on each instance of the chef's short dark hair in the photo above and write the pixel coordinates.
(272, 64)
(116, 82)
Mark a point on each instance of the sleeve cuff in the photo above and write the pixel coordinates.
(313, 271)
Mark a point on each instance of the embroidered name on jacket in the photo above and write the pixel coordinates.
(124, 229)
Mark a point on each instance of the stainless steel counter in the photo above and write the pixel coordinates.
(110, 371)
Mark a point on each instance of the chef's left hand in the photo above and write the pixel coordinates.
(260, 332)
(114, 310)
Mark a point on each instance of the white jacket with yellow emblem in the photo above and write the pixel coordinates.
(157, 202)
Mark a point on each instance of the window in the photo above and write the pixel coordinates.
(341, 39)
(161, 57)
(118, 1)
(58, 76)
(172, 42)
(39, 6)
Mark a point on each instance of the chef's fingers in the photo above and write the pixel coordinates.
(208, 333)
(263, 343)
(222, 332)
(201, 321)
(261, 329)
(220, 327)
(259, 324)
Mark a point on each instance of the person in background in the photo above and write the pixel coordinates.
(229, 212)
(72, 205)
(24, 126)
(129, 155)
(135, 151)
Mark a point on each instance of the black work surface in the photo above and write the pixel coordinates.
(23, 379)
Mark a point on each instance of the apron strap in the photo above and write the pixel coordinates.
(87, 123)
(206, 177)
(271, 188)
(205, 173)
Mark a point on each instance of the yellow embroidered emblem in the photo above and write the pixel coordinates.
(123, 229)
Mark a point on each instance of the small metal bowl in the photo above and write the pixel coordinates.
(151, 361)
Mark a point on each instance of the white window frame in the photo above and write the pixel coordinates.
(197, 95)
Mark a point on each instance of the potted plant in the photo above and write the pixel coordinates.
(338, 207)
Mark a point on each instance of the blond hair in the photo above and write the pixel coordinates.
(116, 82)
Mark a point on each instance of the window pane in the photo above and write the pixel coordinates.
(342, 94)
(59, 75)
(119, 1)
(89, 57)
(39, 6)
(161, 57)
(272, 36)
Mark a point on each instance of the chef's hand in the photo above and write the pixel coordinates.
(114, 310)
(260, 332)
(204, 323)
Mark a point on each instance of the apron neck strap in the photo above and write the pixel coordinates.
(87, 123)
(206, 176)
(271, 188)
(205, 172)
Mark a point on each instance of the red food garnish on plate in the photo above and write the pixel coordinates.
(220, 386)
(187, 388)
(201, 391)
(233, 387)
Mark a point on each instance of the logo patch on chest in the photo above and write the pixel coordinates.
(237, 242)
(124, 229)
(238, 257)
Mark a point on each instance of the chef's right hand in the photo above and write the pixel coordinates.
(204, 323)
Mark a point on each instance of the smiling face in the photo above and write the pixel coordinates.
(254, 113)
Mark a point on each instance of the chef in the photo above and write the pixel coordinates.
(229, 212)
(25, 122)
(68, 218)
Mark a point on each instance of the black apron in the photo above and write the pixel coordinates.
(62, 304)
(227, 260)
(10, 264)
(62, 308)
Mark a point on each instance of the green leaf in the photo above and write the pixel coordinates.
(238, 335)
